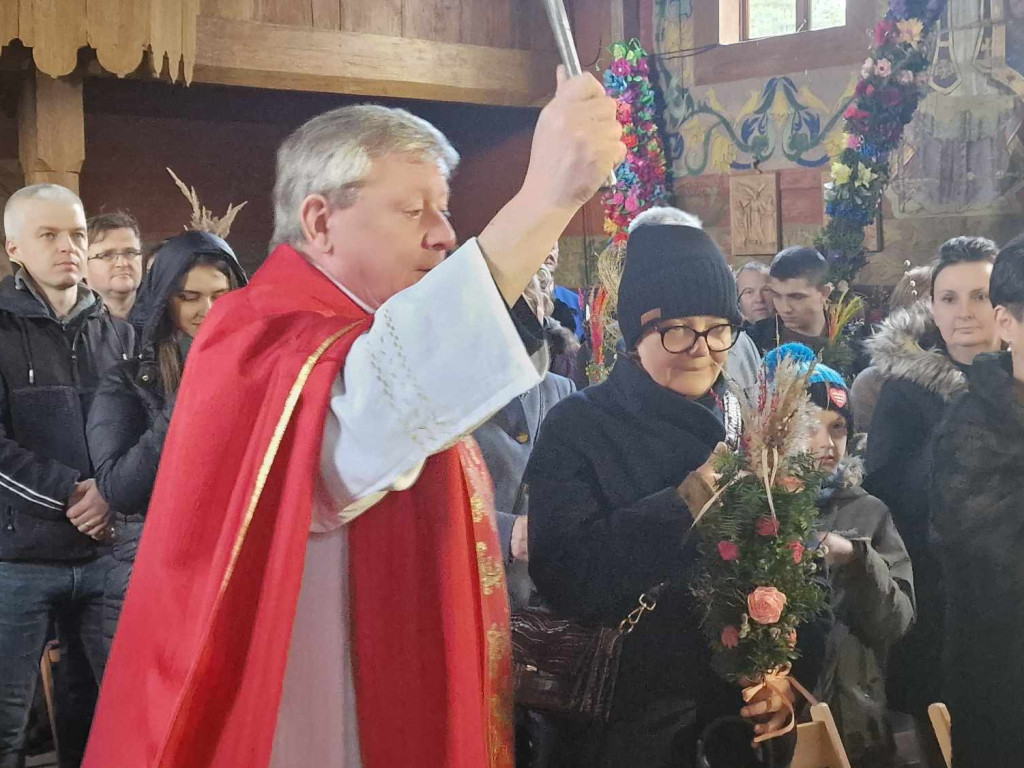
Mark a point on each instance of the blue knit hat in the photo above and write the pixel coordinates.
(827, 388)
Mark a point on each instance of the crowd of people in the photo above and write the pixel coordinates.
(155, 391)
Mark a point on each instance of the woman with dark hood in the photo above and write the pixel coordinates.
(132, 409)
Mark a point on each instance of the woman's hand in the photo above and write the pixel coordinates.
(707, 470)
(701, 485)
(768, 709)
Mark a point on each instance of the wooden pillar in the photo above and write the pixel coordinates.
(51, 130)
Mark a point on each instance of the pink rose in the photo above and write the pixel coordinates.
(765, 605)
(728, 551)
(798, 551)
(768, 526)
(618, 198)
(854, 142)
(883, 68)
(730, 636)
(632, 204)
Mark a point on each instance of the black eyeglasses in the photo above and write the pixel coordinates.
(681, 338)
(109, 257)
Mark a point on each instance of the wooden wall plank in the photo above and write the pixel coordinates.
(275, 56)
(8, 22)
(298, 13)
(438, 20)
(489, 22)
(165, 36)
(119, 31)
(55, 30)
(326, 14)
(376, 17)
(189, 24)
(533, 32)
(228, 9)
(51, 130)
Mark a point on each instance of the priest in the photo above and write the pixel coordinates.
(319, 582)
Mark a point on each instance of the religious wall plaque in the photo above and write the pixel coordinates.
(756, 226)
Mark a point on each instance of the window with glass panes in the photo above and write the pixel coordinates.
(770, 18)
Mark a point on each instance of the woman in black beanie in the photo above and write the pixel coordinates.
(617, 475)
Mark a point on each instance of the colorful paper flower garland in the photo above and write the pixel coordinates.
(642, 179)
(887, 95)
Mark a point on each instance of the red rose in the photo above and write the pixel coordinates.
(765, 605)
(629, 140)
(730, 636)
(890, 97)
(728, 551)
(883, 30)
(768, 526)
(797, 549)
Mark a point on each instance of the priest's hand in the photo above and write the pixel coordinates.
(838, 549)
(88, 511)
(576, 144)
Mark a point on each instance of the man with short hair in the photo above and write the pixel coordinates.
(58, 340)
(977, 503)
(799, 288)
(114, 263)
(320, 531)
(752, 285)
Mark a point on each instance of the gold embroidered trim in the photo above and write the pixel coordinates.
(492, 572)
(261, 480)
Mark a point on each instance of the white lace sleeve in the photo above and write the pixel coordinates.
(440, 359)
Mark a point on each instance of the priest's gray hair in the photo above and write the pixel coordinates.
(665, 214)
(13, 208)
(331, 155)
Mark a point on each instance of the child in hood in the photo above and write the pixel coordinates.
(868, 570)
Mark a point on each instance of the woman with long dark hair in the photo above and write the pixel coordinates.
(132, 409)
(923, 353)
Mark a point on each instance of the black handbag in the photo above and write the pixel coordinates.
(566, 667)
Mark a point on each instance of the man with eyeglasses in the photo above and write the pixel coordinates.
(114, 263)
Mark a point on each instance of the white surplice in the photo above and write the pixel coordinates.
(440, 359)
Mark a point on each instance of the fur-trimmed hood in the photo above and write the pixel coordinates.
(907, 345)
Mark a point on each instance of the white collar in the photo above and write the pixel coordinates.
(358, 302)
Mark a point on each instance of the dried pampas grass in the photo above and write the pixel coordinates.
(203, 219)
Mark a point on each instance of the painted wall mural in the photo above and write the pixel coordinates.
(959, 169)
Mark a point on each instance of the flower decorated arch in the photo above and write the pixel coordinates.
(886, 97)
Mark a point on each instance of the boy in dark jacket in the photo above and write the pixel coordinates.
(977, 501)
(870, 574)
(57, 340)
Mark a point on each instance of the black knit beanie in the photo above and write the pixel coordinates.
(673, 271)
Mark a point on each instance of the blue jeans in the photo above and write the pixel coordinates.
(33, 597)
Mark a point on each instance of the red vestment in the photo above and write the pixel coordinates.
(196, 671)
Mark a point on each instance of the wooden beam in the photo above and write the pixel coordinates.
(51, 130)
(260, 55)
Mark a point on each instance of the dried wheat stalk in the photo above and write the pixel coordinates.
(203, 219)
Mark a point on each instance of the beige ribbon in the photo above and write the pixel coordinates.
(773, 681)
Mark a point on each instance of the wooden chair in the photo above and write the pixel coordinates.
(51, 656)
(817, 743)
(939, 715)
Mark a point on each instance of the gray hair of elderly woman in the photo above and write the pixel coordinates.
(332, 155)
(665, 214)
